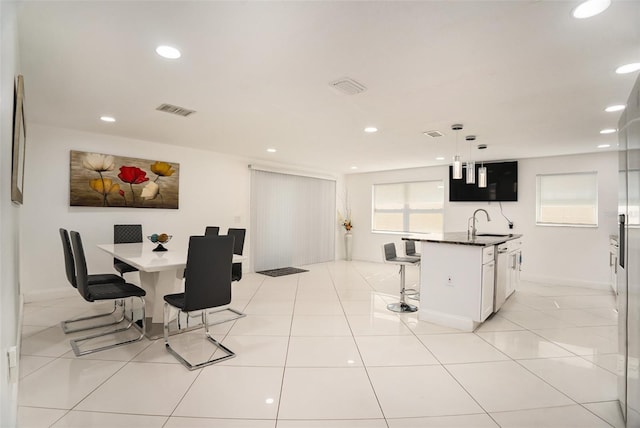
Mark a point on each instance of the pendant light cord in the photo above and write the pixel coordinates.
(507, 218)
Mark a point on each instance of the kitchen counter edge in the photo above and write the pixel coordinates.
(460, 238)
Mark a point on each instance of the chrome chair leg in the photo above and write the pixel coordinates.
(75, 344)
(228, 352)
(402, 306)
(414, 294)
(237, 313)
(66, 325)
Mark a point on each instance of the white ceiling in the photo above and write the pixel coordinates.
(524, 76)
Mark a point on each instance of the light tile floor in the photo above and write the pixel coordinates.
(320, 349)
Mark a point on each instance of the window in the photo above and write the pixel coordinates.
(567, 199)
(414, 207)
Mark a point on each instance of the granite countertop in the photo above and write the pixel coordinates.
(461, 238)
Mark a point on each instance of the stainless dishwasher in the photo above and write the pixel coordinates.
(502, 276)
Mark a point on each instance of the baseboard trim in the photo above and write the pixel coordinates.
(564, 281)
(56, 293)
(447, 320)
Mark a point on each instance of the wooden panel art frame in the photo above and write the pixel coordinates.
(102, 180)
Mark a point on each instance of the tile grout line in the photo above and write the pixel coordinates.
(364, 366)
(286, 355)
(543, 380)
(125, 363)
(447, 370)
(201, 370)
(403, 320)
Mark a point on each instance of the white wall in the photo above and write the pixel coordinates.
(214, 190)
(9, 214)
(559, 255)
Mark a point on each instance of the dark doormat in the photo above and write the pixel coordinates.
(282, 271)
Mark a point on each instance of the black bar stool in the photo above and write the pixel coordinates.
(390, 256)
(410, 251)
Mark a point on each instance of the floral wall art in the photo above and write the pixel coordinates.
(100, 180)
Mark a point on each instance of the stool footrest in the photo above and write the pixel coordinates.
(402, 307)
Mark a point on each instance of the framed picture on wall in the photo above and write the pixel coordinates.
(19, 140)
(103, 180)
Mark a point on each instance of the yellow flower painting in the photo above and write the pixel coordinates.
(162, 169)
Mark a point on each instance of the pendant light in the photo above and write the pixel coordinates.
(482, 171)
(482, 176)
(457, 163)
(471, 165)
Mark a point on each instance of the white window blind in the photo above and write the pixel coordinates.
(567, 199)
(293, 220)
(413, 207)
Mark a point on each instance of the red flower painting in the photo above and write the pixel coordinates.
(132, 175)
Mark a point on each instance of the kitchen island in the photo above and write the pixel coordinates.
(465, 279)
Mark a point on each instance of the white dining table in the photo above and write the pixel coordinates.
(161, 273)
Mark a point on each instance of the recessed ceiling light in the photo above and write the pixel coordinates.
(604, 146)
(354, 167)
(271, 150)
(608, 131)
(107, 119)
(370, 129)
(628, 68)
(168, 52)
(590, 8)
(617, 107)
(440, 158)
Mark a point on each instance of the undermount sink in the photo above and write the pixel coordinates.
(497, 235)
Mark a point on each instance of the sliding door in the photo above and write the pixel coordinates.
(292, 220)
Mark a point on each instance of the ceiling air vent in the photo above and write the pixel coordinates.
(348, 86)
(180, 111)
(433, 134)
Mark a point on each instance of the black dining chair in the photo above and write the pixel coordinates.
(102, 278)
(109, 291)
(211, 231)
(207, 285)
(126, 234)
(238, 247)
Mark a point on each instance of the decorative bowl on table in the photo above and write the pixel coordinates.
(159, 238)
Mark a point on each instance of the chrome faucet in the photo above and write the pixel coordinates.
(471, 224)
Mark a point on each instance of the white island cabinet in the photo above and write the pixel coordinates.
(457, 278)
